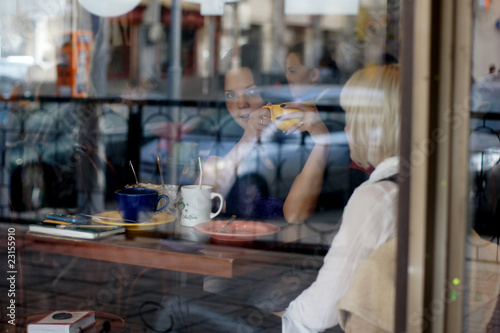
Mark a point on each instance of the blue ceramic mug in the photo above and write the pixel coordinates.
(138, 204)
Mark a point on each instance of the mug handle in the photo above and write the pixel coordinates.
(216, 195)
(270, 108)
(165, 205)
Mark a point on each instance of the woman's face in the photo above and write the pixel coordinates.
(296, 72)
(241, 94)
(298, 76)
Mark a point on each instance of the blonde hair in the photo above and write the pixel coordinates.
(371, 100)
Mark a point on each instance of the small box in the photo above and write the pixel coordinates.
(63, 322)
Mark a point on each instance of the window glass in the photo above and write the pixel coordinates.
(482, 243)
(242, 100)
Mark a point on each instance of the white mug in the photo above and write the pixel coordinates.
(197, 204)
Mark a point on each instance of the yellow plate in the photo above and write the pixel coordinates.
(113, 218)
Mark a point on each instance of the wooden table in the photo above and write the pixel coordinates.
(214, 260)
(148, 249)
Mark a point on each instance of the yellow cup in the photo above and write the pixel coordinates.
(277, 111)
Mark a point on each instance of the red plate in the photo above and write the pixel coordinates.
(238, 230)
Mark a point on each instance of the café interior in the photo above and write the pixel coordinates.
(103, 101)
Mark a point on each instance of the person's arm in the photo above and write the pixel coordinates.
(303, 196)
(306, 189)
(368, 221)
(220, 173)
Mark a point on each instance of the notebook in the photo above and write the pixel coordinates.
(77, 231)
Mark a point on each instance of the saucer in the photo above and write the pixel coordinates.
(113, 218)
(238, 230)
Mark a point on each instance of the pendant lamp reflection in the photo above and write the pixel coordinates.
(212, 7)
(109, 8)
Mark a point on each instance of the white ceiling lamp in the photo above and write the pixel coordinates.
(212, 7)
(109, 8)
(321, 7)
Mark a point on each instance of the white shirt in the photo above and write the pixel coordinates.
(368, 221)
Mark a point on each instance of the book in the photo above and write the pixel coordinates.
(77, 231)
(63, 322)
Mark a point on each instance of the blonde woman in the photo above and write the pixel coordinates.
(371, 99)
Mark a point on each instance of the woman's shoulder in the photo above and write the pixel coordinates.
(372, 198)
(375, 189)
(370, 211)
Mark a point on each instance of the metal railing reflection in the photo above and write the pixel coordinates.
(72, 154)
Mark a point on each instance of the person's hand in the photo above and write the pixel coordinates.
(259, 122)
(308, 120)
